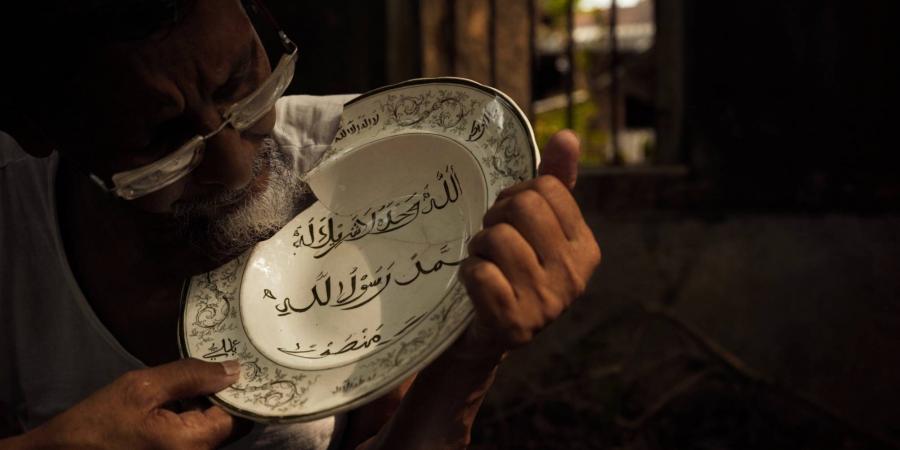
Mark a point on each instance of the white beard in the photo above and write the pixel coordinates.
(254, 219)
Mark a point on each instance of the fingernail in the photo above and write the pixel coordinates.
(232, 368)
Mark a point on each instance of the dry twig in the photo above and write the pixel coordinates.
(678, 390)
(734, 363)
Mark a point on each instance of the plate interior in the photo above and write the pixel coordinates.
(357, 271)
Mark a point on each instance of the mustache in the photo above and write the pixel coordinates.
(222, 233)
(210, 205)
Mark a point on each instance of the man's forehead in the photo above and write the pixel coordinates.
(131, 86)
(211, 37)
(118, 20)
(182, 61)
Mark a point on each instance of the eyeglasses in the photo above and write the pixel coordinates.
(135, 183)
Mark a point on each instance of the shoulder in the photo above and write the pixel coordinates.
(10, 151)
(26, 185)
(21, 172)
(305, 126)
(305, 120)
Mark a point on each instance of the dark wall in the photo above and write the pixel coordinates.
(342, 44)
(778, 246)
(791, 104)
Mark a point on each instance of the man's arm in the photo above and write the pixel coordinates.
(531, 260)
(130, 412)
(440, 407)
(365, 421)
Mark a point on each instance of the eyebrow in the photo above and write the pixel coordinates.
(239, 74)
(237, 77)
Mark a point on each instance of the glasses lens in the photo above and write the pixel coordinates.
(242, 115)
(139, 182)
(248, 111)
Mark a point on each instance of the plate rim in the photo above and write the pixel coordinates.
(429, 356)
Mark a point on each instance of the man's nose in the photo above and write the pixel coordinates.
(227, 161)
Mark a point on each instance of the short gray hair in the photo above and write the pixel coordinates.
(42, 40)
(116, 20)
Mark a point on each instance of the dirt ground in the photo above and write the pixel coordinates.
(742, 333)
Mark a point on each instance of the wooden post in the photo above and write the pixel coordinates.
(472, 40)
(437, 34)
(403, 49)
(670, 26)
(614, 94)
(570, 68)
(487, 41)
(513, 50)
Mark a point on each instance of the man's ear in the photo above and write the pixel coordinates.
(35, 142)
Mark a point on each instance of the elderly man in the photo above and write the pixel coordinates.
(137, 173)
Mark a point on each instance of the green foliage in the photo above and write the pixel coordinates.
(556, 9)
(593, 140)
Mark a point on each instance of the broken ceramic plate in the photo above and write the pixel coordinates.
(360, 291)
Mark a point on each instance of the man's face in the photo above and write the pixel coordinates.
(133, 103)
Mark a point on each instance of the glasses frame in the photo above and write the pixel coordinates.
(179, 163)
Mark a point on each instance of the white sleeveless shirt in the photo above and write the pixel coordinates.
(54, 351)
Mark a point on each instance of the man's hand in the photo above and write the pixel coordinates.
(130, 413)
(533, 257)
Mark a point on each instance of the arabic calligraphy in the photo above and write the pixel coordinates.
(352, 127)
(327, 233)
(479, 126)
(226, 349)
(360, 289)
(352, 343)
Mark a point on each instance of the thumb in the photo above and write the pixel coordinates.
(560, 157)
(190, 377)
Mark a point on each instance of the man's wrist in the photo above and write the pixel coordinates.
(462, 353)
(48, 436)
(22, 441)
(477, 346)
(470, 356)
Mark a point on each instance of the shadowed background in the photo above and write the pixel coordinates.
(748, 296)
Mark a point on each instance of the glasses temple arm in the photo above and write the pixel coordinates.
(260, 6)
